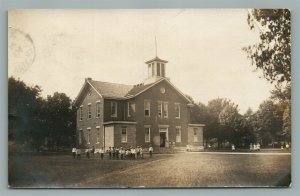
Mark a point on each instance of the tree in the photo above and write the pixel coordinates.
(34, 120)
(59, 120)
(269, 122)
(219, 118)
(273, 53)
(23, 105)
(230, 120)
(248, 125)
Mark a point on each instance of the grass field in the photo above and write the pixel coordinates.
(171, 170)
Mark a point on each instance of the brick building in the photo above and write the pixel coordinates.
(154, 112)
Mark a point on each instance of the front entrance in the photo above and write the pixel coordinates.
(163, 137)
(163, 134)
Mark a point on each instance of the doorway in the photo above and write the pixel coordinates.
(163, 134)
(163, 137)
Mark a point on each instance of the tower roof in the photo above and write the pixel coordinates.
(156, 59)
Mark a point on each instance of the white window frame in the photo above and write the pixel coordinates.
(165, 109)
(178, 137)
(195, 130)
(88, 135)
(98, 134)
(148, 127)
(116, 109)
(123, 141)
(98, 110)
(177, 105)
(81, 113)
(145, 107)
(80, 136)
(89, 111)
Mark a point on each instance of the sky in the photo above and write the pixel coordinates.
(58, 49)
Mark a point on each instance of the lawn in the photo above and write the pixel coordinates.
(171, 170)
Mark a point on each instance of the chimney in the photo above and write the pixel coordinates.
(88, 79)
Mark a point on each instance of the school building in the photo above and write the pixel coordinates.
(118, 115)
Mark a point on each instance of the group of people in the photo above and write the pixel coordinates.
(115, 153)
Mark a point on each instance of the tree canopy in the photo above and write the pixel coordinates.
(272, 54)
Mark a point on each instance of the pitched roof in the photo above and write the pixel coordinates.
(111, 90)
(137, 89)
(120, 91)
(156, 59)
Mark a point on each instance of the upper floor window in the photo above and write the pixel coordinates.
(159, 108)
(162, 109)
(165, 109)
(80, 112)
(89, 111)
(178, 134)
(130, 108)
(147, 107)
(177, 110)
(114, 109)
(98, 109)
(124, 134)
(195, 135)
(147, 134)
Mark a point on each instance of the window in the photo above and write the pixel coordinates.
(147, 107)
(149, 70)
(159, 109)
(178, 134)
(130, 108)
(195, 135)
(177, 110)
(113, 109)
(162, 109)
(158, 69)
(153, 69)
(165, 110)
(124, 134)
(98, 109)
(147, 134)
(80, 113)
(80, 136)
(98, 134)
(89, 111)
(163, 70)
(88, 135)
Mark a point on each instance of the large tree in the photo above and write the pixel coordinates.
(35, 121)
(273, 53)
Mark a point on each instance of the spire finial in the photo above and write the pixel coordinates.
(155, 47)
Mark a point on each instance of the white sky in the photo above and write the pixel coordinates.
(203, 47)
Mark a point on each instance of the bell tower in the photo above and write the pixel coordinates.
(156, 70)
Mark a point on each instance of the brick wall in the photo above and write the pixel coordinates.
(154, 95)
(92, 123)
(131, 135)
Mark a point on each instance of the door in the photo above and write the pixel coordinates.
(109, 137)
(163, 137)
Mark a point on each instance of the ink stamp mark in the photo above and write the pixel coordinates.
(21, 51)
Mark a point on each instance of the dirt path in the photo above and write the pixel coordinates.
(201, 170)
